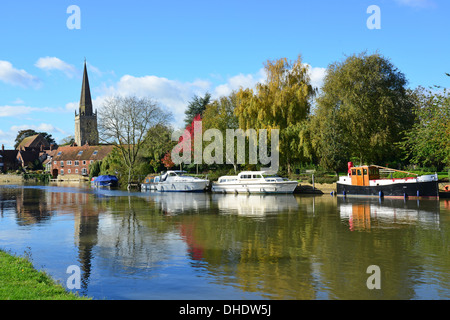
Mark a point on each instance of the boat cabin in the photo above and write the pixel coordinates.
(251, 175)
(361, 175)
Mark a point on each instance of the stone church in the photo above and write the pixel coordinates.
(86, 131)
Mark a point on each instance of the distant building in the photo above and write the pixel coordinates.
(72, 160)
(31, 148)
(34, 143)
(8, 160)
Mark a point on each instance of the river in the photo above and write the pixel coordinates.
(172, 246)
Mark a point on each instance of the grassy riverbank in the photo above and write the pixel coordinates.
(20, 281)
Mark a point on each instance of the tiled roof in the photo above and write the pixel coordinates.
(33, 141)
(85, 152)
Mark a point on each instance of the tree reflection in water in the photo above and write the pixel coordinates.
(154, 245)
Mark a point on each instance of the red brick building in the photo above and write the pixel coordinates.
(74, 160)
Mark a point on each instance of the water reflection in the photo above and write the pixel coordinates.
(366, 213)
(180, 202)
(214, 246)
(255, 205)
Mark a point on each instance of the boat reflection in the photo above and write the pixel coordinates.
(254, 204)
(366, 214)
(173, 203)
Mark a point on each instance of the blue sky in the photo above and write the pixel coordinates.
(173, 50)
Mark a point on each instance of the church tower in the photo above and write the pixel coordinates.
(86, 120)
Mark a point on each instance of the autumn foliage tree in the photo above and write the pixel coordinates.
(167, 160)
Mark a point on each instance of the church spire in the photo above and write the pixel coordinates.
(85, 100)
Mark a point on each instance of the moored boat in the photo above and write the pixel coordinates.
(105, 181)
(366, 181)
(177, 181)
(253, 182)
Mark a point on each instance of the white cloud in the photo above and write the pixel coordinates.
(172, 95)
(53, 63)
(13, 111)
(42, 127)
(18, 101)
(71, 106)
(97, 71)
(11, 75)
(317, 76)
(239, 81)
(7, 138)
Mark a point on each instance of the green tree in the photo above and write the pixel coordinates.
(283, 102)
(365, 100)
(329, 141)
(157, 142)
(95, 169)
(428, 142)
(196, 106)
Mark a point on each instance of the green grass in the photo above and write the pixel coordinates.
(20, 281)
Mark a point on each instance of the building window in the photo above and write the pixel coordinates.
(77, 163)
(54, 162)
(68, 171)
(80, 153)
(62, 163)
(91, 161)
(62, 172)
(95, 153)
(76, 170)
(59, 153)
(84, 162)
(84, 171)
(69, 162)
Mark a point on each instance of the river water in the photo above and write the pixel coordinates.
(150, 245)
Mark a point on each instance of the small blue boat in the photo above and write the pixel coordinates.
(106, 181)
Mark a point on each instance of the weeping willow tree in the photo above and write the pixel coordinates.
(283, 102)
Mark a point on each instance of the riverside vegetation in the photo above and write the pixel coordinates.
(364, 112)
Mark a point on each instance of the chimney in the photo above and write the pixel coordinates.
(3, 147)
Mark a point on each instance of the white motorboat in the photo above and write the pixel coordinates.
(254, 182)
(176, 181)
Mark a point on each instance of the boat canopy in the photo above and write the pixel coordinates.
(106, 178)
